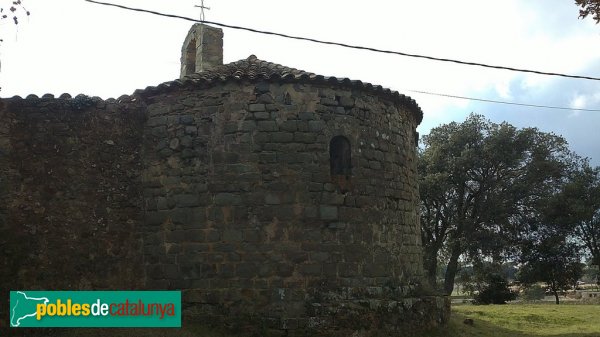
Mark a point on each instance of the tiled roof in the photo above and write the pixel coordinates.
(254, 69)
(251, 68)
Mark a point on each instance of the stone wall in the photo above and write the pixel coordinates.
(70, 195)
(222, 190)
(243, 213)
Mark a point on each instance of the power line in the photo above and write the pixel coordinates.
(502, 102)
(347, 45)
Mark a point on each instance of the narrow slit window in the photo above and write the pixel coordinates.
(340, 156)
(190, 58)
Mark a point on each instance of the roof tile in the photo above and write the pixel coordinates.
(253, 68)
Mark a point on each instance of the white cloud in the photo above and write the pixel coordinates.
(579, 102)
(503, 90)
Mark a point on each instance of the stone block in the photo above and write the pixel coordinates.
(305, 137)
(266, 270)
(251, 235)
(156, 121)
(289, 126)
(191, 130)
(174, 143)
(156, 218)
(159, 131)
(284, 212)
(226, 270)
(337, 225)
(248, 126)
(232, 235)
(328, 101)
(328, 212)
(282, 137)
(310, 212)
(265, 98)
(310, 269)
(194, 235)
(375, 165)
(316, 126)
(272, 199)
(161, 203)
(333, 199)
(306, 116)
(187, 200)
(267, 126)
(266, 157)
(155, 271)
(225, 199)
(285, 270)
(194, 248)
(224, 247)
(157, 110)
(186, 120)
(315, 187)
(212, 235)
(319, 256)
(375, 270)
(330, 270)
(347, 101)
(348, 269)
(262, 87)
(246, 270)
(262, 115)
(175, 236)
(256, 107)
(340, 111)
(171, 271)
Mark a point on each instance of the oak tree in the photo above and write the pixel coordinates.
(589, 7)
(551, 259)
(578, 206)
(479, 182)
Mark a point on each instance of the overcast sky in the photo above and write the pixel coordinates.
(77, 47)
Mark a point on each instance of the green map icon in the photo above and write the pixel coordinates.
(23, 307)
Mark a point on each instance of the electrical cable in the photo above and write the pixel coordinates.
(502, 102)
(347, 45)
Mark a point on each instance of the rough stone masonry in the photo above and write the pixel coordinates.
(276, 199)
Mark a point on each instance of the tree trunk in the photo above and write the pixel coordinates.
(452, 269)
(556, 296)
(430, 265)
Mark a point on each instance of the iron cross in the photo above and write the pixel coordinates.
(202, 8)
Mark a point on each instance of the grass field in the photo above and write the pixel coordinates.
(511, 320)
(524, 320)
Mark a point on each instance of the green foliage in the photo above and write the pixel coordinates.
(480, 182)
(494, 290)
(475, 278)
(591, 274)
(577, 206)
(589, 7)
(533, 293)
(550, 258)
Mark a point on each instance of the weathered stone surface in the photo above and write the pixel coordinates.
(256, 107)
(224, 199)
(328, 212)
(225, 191)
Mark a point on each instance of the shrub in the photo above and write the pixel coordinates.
(494, 290)
(533, 293)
